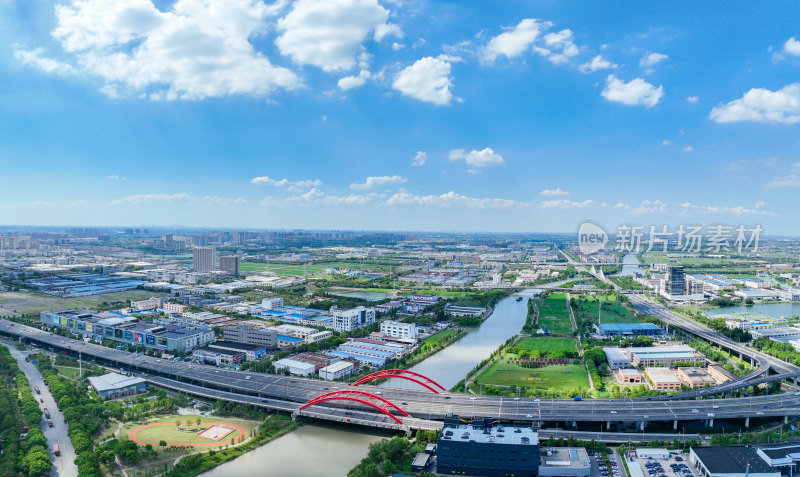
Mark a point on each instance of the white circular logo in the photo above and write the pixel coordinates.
(591, 238)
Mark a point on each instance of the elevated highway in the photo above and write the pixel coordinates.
(423, 407)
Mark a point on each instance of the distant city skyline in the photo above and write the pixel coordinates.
(424, 116)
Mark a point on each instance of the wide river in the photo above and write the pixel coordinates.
(332, 450)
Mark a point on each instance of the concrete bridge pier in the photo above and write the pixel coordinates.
(641, 425)
(786, 419)
(675, 425)
(608, 425)
(747, 422)
(711, 422)
(794, 384)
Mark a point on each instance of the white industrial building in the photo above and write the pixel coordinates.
(353, 319)
(616, 358)
(296, 367)
(399, 330)
(337, 370)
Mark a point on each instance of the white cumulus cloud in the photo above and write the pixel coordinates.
(448, 200)
(762, 105)
(651, 59)
(558, 47)
(266, 180)
(373, 182)
(596, 64)
(792, 47)
(428, 79)
(634, 92)
(420, 158)
(36, 59)
(350, 82)
(483, 158)
(195, 50)
(330, 34)
(515, 41)
(692, 99)
(554, 192)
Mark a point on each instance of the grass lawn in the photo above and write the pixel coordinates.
(553, 314)
(436, 337)
(69, 373)
(186, 434)
(551, 378)
(547, 344)
(34, 302)
(612, 312)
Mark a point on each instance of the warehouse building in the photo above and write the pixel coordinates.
(663, 355)
(616, 358)
(629, 376)
(662, 379)
(296, 367)
(628, 329)
(337, 370)
(696, 377)
(115, 385)
(730, 461)
(485, 449)
(251, 352)
(784, 458)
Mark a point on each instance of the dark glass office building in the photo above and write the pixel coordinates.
(676, 281)
(485, 449)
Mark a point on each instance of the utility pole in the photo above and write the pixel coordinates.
(80, 367)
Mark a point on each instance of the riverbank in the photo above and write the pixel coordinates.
(272, 428)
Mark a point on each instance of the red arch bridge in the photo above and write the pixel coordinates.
(402, 374)
(362, 397)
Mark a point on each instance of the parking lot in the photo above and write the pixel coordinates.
(599, 467)
(676, 466)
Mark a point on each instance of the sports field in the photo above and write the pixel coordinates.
(553, 314)
(550, 345)
(551, 378)
(612, 312)
(188, 432)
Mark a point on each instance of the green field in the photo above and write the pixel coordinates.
(553, 314)
(185, 434)
(550, 378)
(552, 345)
(435, 338)
(33, 302)
(70, 373)
(612, 312)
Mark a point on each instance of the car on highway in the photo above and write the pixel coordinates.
(759, 413)
(613, 412)
(695, 410)
(715, 406)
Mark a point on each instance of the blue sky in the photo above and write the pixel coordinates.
(525, 116)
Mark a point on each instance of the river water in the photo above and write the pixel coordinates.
(332, 450)
(630, 265)
(775, 310)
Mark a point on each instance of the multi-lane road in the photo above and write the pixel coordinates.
(64, 465)
(289, 393)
